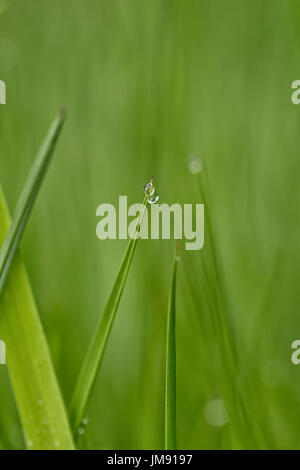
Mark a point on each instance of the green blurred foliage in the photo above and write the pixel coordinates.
(148, 85)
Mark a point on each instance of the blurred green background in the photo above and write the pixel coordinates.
(150, 85)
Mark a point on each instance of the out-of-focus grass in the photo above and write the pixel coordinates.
(94, 355)
(170, 386)
(149, 85)
(42, 412)
(27, 198)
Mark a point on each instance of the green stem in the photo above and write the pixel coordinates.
(170, 393)
(95, 352)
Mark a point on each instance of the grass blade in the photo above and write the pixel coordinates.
(28, 197)
(95, 352)
(170, 391)
(36, 391)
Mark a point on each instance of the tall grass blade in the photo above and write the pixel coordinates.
(95, 352)
(35, 387)
(170, 391)
(28, 197)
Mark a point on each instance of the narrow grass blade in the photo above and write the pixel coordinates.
(3, 6)
(170, 391)
(42, 412)
(94, 355)
(28, 197)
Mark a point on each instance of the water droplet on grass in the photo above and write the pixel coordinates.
(153, 199)
(150, 189)
(215, 413)
(195, 164)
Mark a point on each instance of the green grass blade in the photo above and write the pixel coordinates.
(42, 412)
(3, 6)
(28, 197)
(95, 352)
(170, 390)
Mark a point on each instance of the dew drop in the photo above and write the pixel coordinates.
(148, 188)
(81, 431)
(215, 413)
(153, 199)
(151, 191)
(195, 164)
